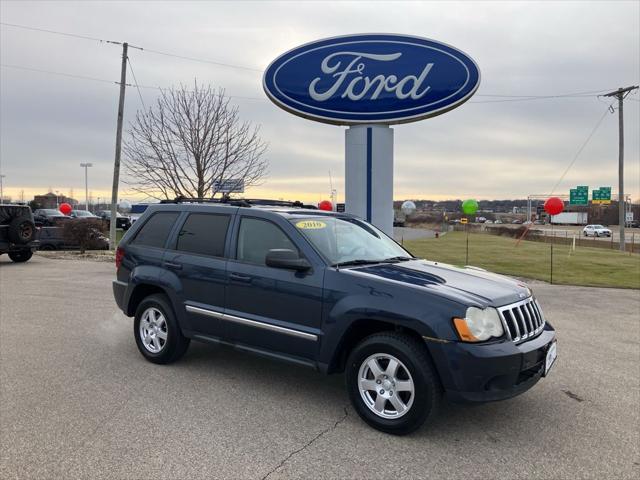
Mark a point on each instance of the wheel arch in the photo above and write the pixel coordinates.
(359, 330)
(139, 293)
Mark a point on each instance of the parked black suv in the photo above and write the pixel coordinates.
(17, 232)
(330, 291)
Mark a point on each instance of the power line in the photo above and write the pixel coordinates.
(81, 77)
(136, 84)
(575, 94)
(44, 30)
(157, 52)
(584, 144)
(212, 62)
(529, 98)
(101, 80)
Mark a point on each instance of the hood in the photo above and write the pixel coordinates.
(465, 285)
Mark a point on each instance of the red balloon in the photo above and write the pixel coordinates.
(553, 206)
(65, 208)
(325, 205)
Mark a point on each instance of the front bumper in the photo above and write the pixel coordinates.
(495, 371)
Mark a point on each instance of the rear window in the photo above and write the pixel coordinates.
(155, 231)
(203, 234)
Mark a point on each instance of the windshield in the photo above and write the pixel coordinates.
(83, 213)
(598, 226)
(51, 211)
(346, 240)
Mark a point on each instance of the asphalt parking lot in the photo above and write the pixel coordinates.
(78, 400)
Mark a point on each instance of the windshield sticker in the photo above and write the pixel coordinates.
(311, 225)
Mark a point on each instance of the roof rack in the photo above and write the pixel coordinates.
(242, 202)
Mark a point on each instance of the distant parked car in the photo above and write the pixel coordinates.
(539, 222)
(48, 217)
(596, 231)
(54, 238)
(517, 222)
(121, 221)
(82, 214)
(137, 209)
(488, 221)
(498, 221)
(633, 224)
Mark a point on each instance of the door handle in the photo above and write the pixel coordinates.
(240, 278)
(173, 266)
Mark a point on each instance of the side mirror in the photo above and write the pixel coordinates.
(285, 258)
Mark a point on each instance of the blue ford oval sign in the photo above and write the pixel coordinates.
(372, 78)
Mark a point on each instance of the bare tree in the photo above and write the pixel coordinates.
(189, 140)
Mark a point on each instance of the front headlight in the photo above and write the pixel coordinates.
(479, 324)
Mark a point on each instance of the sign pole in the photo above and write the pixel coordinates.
(467, 229)
(553, 239)
(369, 174)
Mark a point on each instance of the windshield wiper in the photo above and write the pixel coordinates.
(400, 258)
(361, 261)
(358, 261)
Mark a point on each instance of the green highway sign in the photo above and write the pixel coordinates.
(579, 195)
(602, 196)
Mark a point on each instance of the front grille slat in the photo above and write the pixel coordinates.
(522, 320)
(534, 316)
(529, 322)
(525, 328)
(513, 324)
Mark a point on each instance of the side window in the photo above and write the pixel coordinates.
(204, 234)
(256, 237)
(155, 231)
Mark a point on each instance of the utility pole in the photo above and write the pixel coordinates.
(116, 165)
(86, 184)
(1, 191)
(620, 94)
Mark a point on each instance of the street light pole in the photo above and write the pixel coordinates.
(1, 191)
(86, 184)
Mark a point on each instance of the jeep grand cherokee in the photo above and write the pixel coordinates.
(332, 292)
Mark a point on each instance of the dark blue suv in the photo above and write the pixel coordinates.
(332, 292)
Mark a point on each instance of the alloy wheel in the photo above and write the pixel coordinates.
(386, 386)
(153, 330)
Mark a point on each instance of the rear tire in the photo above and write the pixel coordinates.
(373, 397)
(156, 330)
(21, 256)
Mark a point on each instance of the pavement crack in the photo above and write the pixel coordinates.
(308, 444)
(572, 395)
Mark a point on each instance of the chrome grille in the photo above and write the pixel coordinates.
(522, 320)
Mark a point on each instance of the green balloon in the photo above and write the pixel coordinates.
(469, 207)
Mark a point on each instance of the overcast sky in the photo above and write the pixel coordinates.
(487, 149)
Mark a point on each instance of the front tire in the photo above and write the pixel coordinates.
(21, 256)
(392, 383)
(156, 330)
